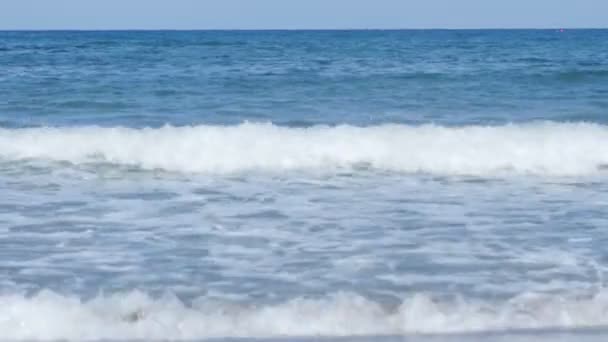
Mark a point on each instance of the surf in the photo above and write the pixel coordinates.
(540, 148)
(137, 315)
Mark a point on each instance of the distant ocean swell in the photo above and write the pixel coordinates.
(543, 148)
(135, 315)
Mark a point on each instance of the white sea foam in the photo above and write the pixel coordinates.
(49, 316)
(562, 149)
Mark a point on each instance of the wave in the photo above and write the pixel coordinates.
(544, 148)
(135, 315)
(582, 75)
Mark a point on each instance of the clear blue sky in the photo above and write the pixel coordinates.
(295, 14)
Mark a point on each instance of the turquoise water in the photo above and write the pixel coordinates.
(304, 185)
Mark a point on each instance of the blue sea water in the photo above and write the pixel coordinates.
(304, 185)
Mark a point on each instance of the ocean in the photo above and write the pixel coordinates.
(414, 185)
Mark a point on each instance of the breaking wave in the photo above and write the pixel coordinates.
(135, 315)
(544, 148)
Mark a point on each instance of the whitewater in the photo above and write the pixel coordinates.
(545, 148)
(136, 316)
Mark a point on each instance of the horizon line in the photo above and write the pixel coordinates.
(296, 29)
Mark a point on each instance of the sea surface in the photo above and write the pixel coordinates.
(412, 186)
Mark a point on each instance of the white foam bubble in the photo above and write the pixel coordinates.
(49, 316)
(537, 148)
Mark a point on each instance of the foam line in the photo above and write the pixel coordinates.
(548, 148)
(135, 315)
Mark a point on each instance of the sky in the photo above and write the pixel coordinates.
(300, 14)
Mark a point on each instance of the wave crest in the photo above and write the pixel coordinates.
(135, 315)
(548, 148)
